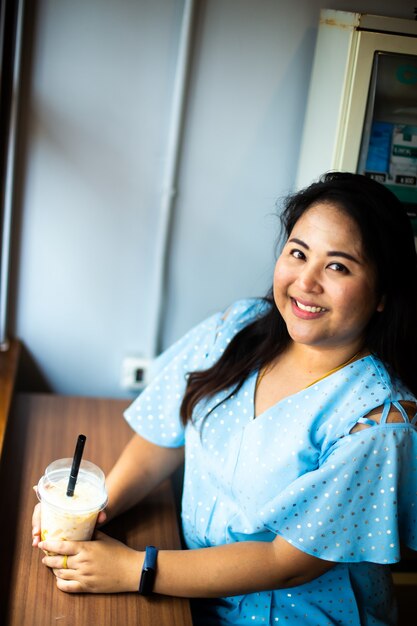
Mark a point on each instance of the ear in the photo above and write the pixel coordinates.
(381, 305)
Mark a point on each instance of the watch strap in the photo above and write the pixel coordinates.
(147, 577)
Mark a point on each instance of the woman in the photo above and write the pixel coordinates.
(296, 417)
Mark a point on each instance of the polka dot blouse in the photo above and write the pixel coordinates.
(297, 471)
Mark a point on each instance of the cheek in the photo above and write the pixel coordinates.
(280, 281)
(345, 297)
(281, 275)
(357, 302)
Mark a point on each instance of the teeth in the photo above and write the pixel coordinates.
(310, 309)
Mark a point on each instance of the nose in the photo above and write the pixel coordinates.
(309, 279)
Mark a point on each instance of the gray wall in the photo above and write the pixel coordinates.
(97, 95)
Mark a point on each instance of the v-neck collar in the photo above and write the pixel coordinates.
(288, 399)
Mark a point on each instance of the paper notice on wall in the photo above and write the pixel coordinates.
(403, 161)
(379, 150)
(392, 160)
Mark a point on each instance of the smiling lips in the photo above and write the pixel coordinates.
(306, 310)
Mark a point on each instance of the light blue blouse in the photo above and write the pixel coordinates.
(295, 471)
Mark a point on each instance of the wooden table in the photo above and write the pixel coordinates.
(9, 361)
(42, 428)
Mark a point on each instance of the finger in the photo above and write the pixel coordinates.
(63, 574)
(69, 586)
(102, 516)
(59, 561)
(36, 515)
(61, 547)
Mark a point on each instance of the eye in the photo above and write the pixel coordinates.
(338, 267)
(297, 254)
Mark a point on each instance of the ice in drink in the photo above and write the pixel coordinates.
(74, 517)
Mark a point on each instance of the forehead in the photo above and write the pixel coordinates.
(331, 226)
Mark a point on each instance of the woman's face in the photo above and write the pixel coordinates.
(323, 286)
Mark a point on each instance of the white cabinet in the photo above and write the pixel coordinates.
(362, 104)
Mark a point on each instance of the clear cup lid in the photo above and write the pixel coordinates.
(90, 491)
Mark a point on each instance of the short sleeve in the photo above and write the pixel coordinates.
(360, 503)
(155, 414)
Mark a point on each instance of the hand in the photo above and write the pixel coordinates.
(103, 565)
(36, 522)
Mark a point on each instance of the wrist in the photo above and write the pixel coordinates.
(148, 572)
(133, 573)
(114, 506)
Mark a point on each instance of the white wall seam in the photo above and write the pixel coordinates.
(169, 181)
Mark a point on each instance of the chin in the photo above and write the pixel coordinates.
(306, 341)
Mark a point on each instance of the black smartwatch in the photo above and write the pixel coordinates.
(147, 577)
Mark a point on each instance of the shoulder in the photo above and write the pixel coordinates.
(393, 385)
(237, 316)
(395, 405)
(245, 311)
(204, 343)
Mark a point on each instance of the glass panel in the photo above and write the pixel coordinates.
(389, 142)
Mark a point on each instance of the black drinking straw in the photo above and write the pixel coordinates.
(79, 448)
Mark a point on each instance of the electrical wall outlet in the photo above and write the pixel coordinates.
(135, 373)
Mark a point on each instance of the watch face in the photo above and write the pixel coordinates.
(146, 582)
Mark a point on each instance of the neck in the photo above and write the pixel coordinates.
(298, 369)
(319, 361)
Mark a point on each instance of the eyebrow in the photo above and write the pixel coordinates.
(338, 253)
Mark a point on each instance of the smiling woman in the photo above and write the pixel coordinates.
(324, 286)
(296, 415)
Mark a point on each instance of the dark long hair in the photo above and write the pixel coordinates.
(388, 243)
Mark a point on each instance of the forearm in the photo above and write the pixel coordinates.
(141, 467)
(108, 566)
(234, 569)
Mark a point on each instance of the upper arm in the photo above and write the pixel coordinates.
(142, 466)
(158, 461)
(398, 412)
(301, 567)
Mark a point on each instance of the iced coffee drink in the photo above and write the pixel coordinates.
(70, 518)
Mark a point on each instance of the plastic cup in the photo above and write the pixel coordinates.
(71, 518)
